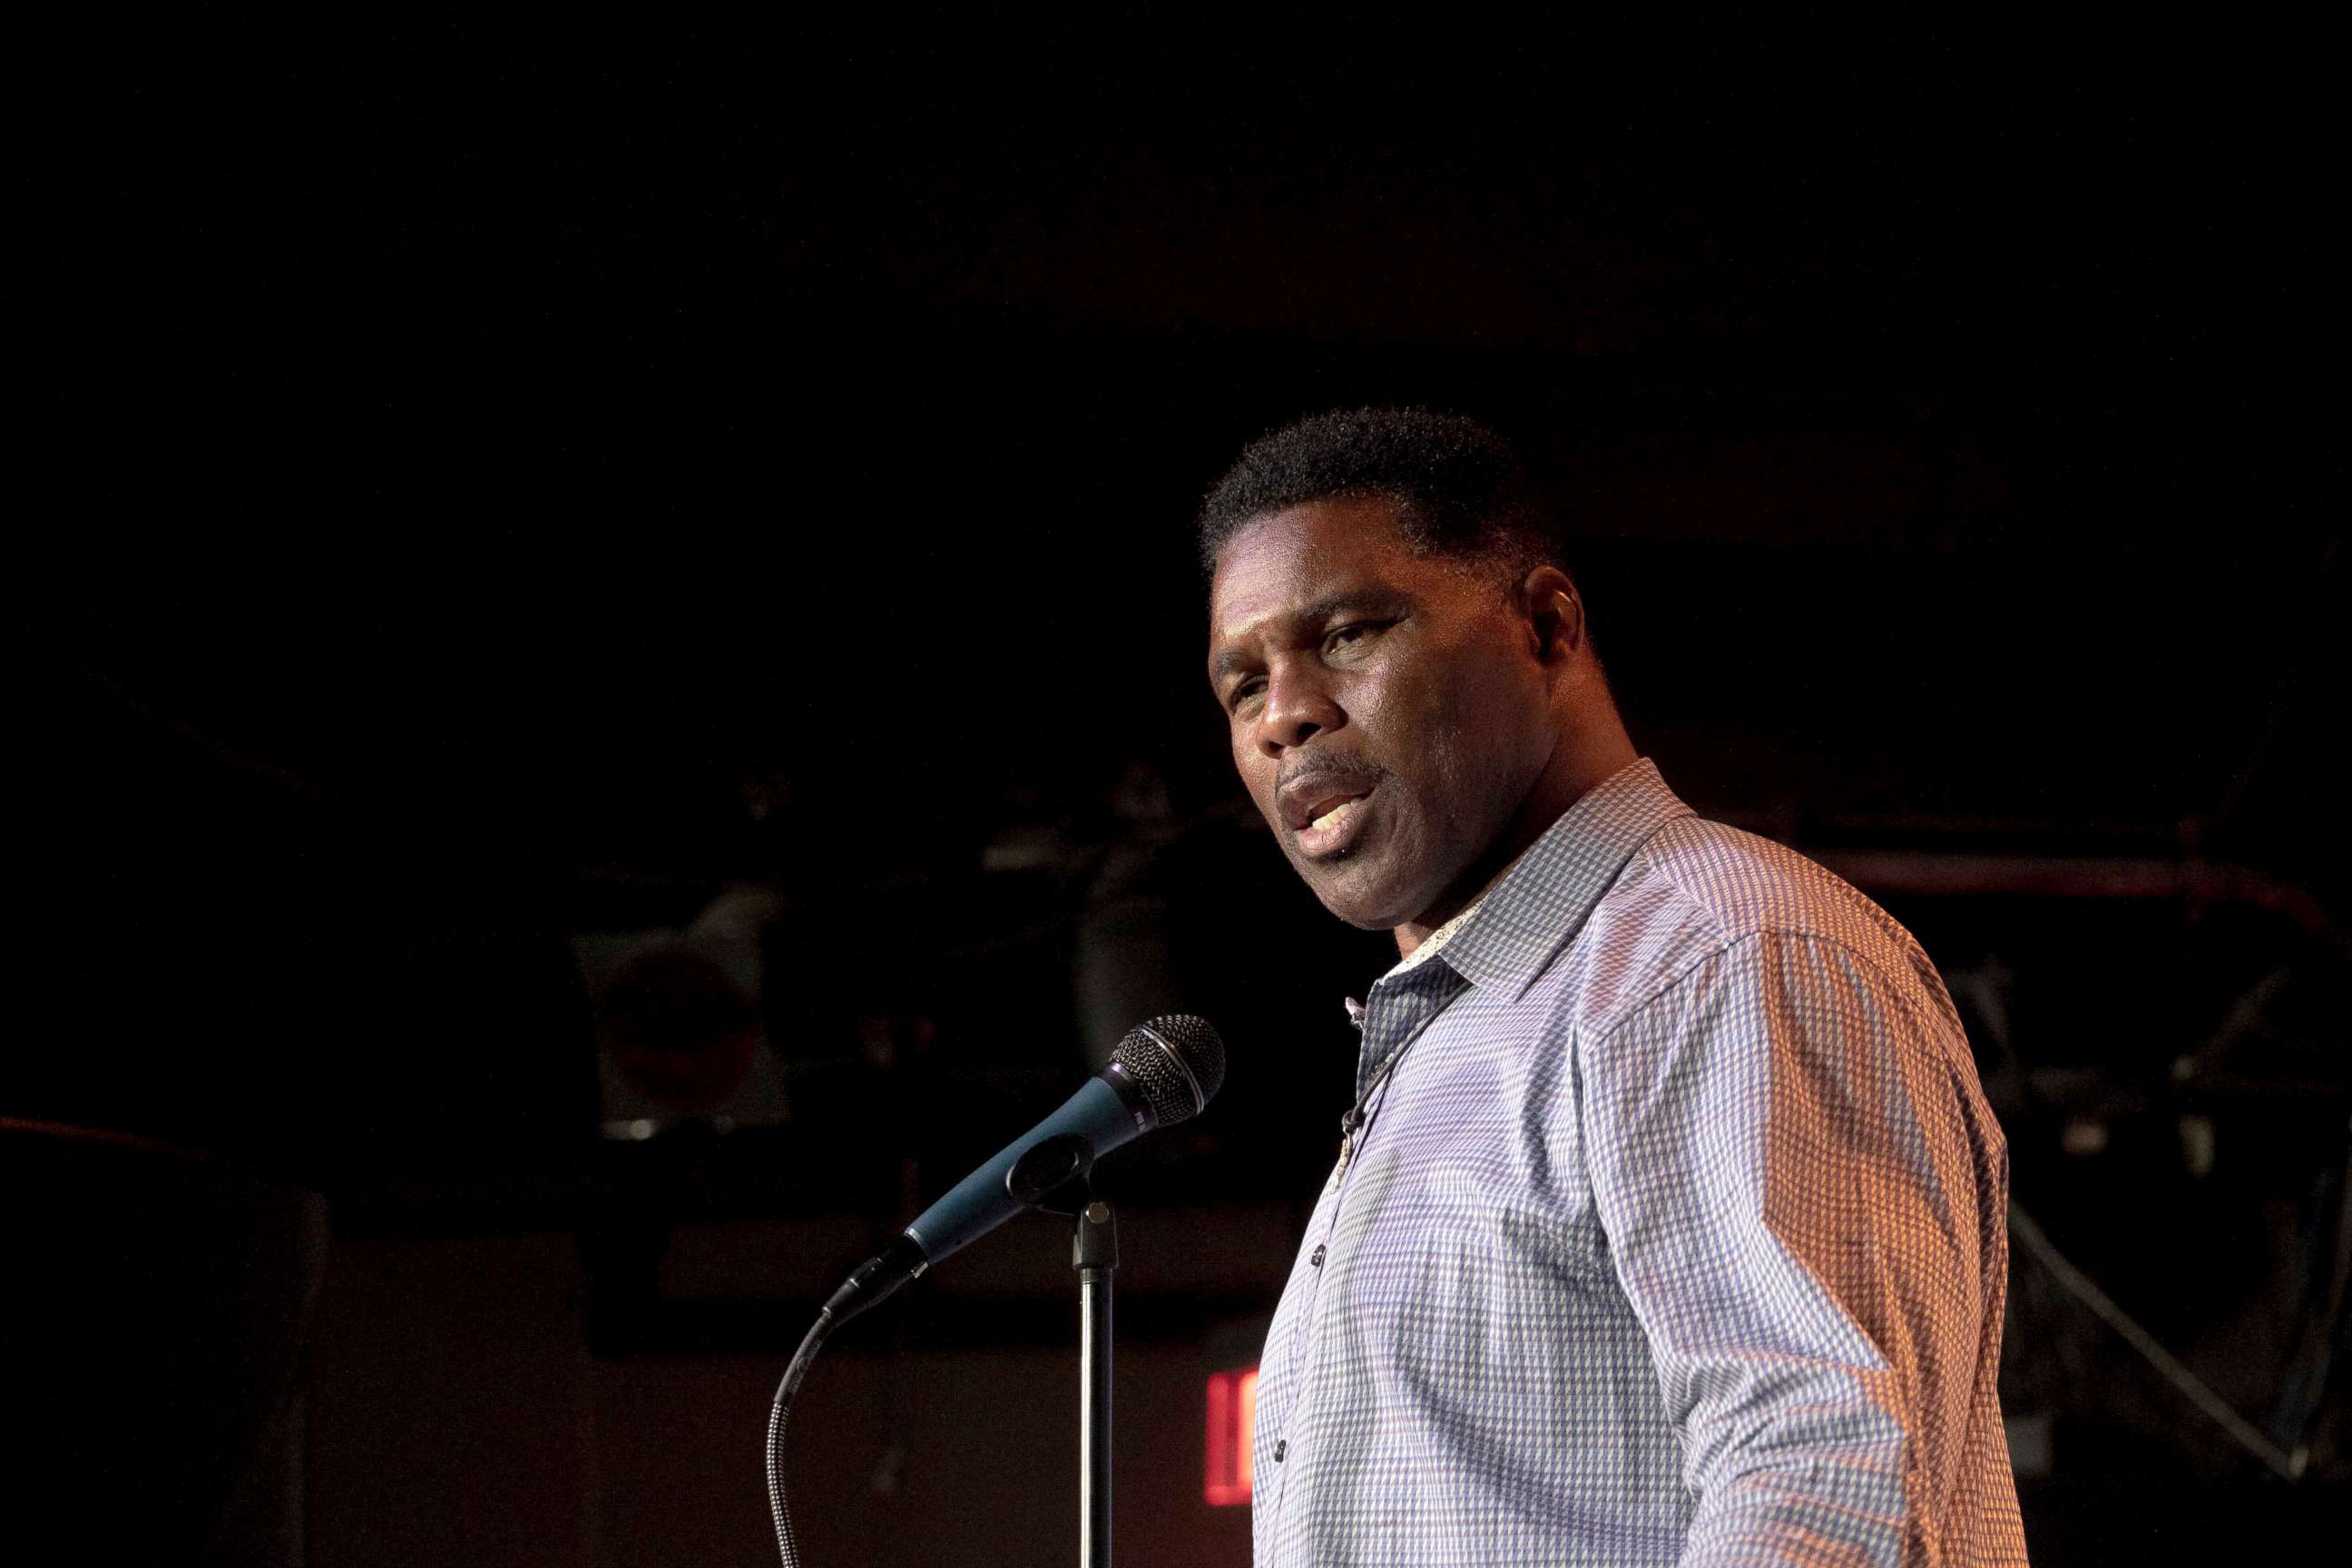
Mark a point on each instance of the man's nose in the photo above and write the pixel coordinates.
(1298, 706)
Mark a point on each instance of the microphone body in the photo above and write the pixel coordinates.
(1099, 1113)
(1162, 1073)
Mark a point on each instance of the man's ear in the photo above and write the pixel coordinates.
(1555, 615)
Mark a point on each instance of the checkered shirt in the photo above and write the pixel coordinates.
(1676, 1236)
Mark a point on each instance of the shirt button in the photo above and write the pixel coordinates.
(1315, 1258)
(1281, 1447)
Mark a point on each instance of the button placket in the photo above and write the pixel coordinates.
(1397, 1014)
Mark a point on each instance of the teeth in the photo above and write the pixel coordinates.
(1333, 817)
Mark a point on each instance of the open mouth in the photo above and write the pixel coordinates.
(1332, 824)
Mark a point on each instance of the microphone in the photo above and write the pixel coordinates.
(1163, 1072)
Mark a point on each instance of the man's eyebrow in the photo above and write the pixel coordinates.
(1352, 601)
(1226, 662)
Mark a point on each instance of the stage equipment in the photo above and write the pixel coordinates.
(679, 1034)
(1162, 1073)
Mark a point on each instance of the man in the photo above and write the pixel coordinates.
(1668, 1226)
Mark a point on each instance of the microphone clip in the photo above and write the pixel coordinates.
(1051, 1175)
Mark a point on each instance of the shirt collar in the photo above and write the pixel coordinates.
(1435, 943)
(1536, 907)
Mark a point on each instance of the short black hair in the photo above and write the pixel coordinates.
(1458, 487)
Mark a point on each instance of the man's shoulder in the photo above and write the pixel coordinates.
(1742, 885)
(1698, 890)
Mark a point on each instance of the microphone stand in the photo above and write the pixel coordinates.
(1053, 1177)
(1094, 1255)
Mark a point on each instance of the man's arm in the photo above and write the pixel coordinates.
(1789, 1175)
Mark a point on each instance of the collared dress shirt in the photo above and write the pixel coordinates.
(1675, 1235)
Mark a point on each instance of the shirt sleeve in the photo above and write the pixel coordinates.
(1786, 1171)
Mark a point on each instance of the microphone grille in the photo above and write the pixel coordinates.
(1179, 1063)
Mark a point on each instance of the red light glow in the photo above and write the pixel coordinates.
(1233, 1409)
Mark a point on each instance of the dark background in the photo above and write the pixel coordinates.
(485, 487)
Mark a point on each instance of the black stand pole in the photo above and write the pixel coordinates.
(1095, 1254)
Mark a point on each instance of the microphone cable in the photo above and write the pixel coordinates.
(778, 1411)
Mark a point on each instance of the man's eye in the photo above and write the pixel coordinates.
(1243, 693)
(1355, 632)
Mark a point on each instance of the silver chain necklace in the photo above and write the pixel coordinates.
(1352, 1120)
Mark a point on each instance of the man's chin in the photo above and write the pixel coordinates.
(1355, 896)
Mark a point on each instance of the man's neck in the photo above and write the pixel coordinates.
(1545, 805)
(1408, 956)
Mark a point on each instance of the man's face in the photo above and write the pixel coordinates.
(1388, 712)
